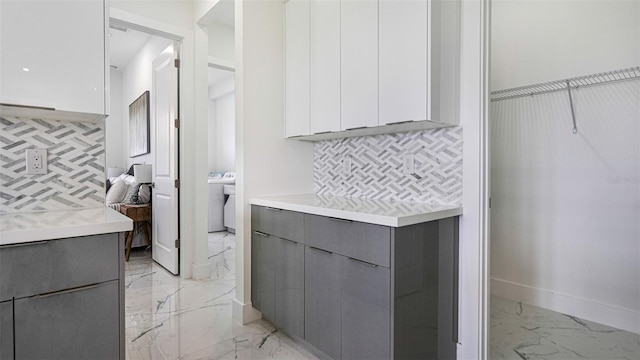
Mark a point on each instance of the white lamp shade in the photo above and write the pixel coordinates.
(142, 173)
(114, 171)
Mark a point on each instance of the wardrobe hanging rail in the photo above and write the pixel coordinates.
(631, 73)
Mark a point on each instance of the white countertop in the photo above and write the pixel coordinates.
(381, 212)
(18, 228)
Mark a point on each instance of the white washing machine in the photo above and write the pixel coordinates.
(230, 208)
(217, 200)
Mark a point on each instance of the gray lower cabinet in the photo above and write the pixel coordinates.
(290, 287)
(365, 310)
(63, 298)
(369, 291)
(6, 330)
(277, 286)
(57, 326)
(322, 300)
(263, 282)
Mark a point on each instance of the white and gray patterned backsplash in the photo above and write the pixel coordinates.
(376, 166)
(75, 177)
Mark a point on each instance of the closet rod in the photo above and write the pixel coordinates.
(631, 73)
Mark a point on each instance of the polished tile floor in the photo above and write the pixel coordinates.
(520, 332)
(172, 318)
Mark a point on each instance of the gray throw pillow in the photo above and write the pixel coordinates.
(131, 197)
(144, 194)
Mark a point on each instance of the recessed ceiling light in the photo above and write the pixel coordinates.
(25, 69)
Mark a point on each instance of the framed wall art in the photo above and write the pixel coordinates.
(139, 139)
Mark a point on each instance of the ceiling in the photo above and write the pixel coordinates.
(222, 13)
(124, 44)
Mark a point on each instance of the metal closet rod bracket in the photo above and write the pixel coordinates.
(573, 114)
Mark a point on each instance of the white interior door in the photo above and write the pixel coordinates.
(165, 170)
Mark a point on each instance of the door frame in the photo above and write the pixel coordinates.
(186, 169)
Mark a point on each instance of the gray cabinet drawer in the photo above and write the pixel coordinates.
(81, 323)
(362, 241)
(281, 223)
(41, 267)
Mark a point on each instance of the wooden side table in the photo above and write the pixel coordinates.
(141, 216)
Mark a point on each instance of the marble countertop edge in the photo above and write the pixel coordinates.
(380, 212)
(16, 228)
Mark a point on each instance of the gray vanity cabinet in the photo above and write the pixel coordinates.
(322, 300)
(80, 323)
(365, 310)
(6, 330)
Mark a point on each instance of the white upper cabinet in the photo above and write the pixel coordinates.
(359, 63)
(325, 66)
(53, 57)
(297, 68)
(366, 67)
(404, 61)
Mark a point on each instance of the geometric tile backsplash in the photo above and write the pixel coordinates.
(75, 160)
(376, 166)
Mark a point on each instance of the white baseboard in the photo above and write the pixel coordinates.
(244, 313)
(200, 272)
(609, 315)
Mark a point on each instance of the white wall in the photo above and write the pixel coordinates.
(536, 41)
(266, 163)
(136, 79)
(565, 207)
(222, 43)
(116, 140)
(225, 133)
(211, 159)
(565, 216)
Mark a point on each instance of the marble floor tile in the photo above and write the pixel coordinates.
(167, 317)
(521, 331)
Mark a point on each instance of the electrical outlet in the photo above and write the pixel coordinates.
(36, 161)
(407, 164)
(346, 164)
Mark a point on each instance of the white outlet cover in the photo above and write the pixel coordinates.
(408, 164)
(36, 161)
(346, 163)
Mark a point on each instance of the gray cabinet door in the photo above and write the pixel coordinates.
(365, 310)
(322, 301)
(263, 281)
(6, 330)
(80, 323)
(290, 287)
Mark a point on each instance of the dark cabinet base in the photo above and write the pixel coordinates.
(370, 292)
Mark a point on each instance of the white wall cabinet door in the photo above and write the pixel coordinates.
(359, 63)
(53, 54)
(404, 61)
(324, 43)
(297, 68)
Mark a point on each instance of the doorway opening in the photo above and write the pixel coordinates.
(142, 63)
